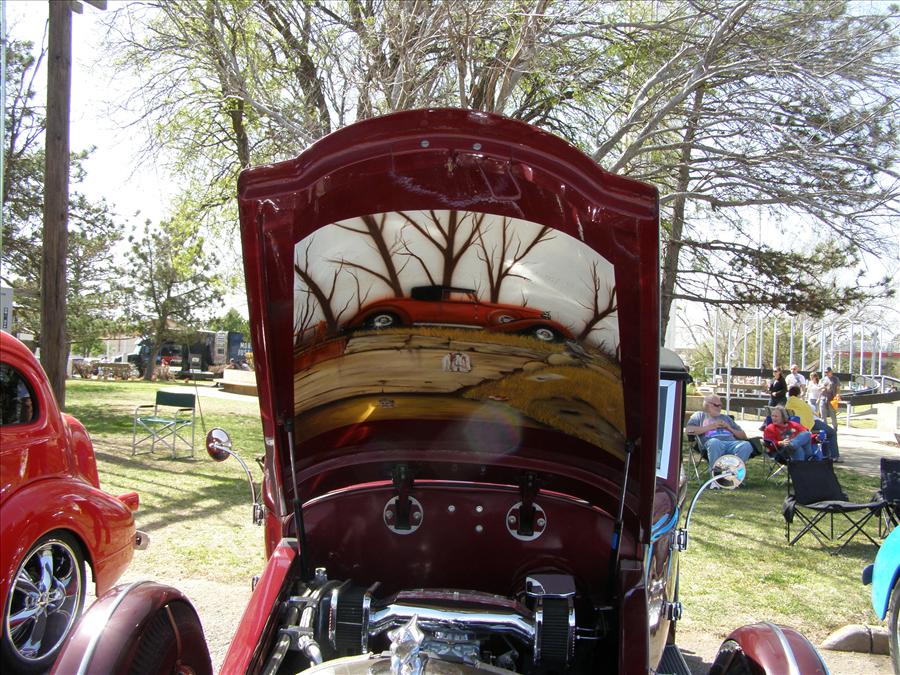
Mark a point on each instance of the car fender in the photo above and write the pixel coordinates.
(107, 638)
(778, 650)
(103, 524)
(261, 611)
(885, 573)
(79, 442)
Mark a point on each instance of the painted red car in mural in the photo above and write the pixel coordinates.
(54, 518)
(442, 502)
(450, 306)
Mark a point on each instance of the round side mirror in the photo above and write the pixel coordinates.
(218, 444)
(729, 471)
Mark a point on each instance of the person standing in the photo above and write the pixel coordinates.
(718, 434)
(777, 388)
(795, 377)
(831, 388)
(814, 392)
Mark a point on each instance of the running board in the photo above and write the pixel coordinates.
(672, 662)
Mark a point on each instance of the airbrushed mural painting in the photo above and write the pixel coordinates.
(456, 316)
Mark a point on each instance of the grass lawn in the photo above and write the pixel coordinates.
(738, 568)
(196, 511)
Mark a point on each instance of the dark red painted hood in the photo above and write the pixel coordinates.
(358, 257)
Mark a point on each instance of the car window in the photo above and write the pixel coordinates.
(18, 404)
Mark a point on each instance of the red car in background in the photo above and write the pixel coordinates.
(450, 306)
(53, 516)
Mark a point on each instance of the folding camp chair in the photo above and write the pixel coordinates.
(776, 460)
(889, 494)
(168, 419)
(697, 455)
(814, 493)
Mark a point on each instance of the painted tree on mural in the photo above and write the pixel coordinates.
(451, 239)
(502, 257)
(320, 295)
(373, 227)
(603, 301)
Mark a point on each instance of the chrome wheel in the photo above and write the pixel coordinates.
(544, 334)
(383, 321)
(44, 602)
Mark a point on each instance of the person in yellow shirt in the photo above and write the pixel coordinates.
(797, 406)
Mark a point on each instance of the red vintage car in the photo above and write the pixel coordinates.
(53, 516)
(442, 503)
(450, 306)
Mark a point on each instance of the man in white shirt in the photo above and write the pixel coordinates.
(796, 378)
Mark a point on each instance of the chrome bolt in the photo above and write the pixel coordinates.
(388, 514)
(424, 144)
(417, 515)
(511, 520)
(479, 508)
(476, 146)
(451, 509)
(479, 528)
(541, 522)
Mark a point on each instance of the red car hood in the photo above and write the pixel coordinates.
(467, 199)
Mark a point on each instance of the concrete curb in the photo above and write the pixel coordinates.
(858, 638)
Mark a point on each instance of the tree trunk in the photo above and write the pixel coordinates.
(673, 246)
(56, 201)
(150, 367)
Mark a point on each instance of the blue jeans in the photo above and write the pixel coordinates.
(830, 448)
(716, 447)
(801, 446)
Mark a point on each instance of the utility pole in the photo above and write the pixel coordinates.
(54, 345)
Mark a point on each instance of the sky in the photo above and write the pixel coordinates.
(113, 171)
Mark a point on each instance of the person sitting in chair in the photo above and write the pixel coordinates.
(799, 408)
(718, 434)
(790, 436)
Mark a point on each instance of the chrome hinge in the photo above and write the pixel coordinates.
(681, 540)
(259, 514)
(673, 610)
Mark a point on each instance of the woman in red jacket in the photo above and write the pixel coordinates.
(790, 435)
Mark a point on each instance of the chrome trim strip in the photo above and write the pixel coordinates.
(430, 617)
(98, 630)
(793, 666)
(366, 617)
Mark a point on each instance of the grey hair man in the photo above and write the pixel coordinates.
(718, 433)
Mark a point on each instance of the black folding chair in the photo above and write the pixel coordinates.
(889, 494)
(815, 494)
(776, 460)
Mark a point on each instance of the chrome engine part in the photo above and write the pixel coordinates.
(334, 627)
